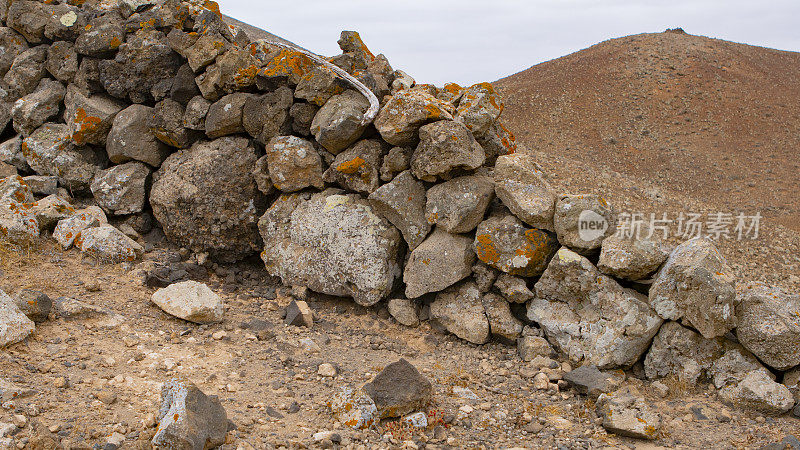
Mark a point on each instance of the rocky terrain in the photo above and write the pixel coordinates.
(211, 239)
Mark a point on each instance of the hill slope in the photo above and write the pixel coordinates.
(705, 118)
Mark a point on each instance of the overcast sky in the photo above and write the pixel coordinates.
(468, 41)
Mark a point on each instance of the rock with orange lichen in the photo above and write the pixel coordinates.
(89, 117)
(460, 309)
(18, 225)
(15, 189)
(589, 316)
(234, 70)
(206, 199)
(520, 185)
(62, 61)
(440, 261)
(626, 413)
(50, 210)
(354, 408)
(130, 138)
(11, 153)
(293, 163)
(498, 141)
(13, 44)
(166, 124)
(25, 73)
(142, 65)
(356, 169)
(479, 108)
(71, 228)
(33, 110)
(458, 205)
(451, 92)
(402, 202)
(697, 286)
(399, 389)
(333, 243)
(505, 243)
(49, 151)
(401, 117)
(338, 123)
(188, 418)
(583, 221)
(108, 244)
(102, 36)
(446, 147)
(205, 50)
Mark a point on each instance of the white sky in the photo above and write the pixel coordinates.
(468, 41)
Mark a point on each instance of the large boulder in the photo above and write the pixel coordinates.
(683, 353)
(502, 322)
(759, 393)
(69, 229)
(267, 116)
(142, 62)
(696, 285)
(479, 108)
(206, 198)
(225, 115)
(400, 119)
(769, 325)
(14, 325)
(338, 123)
(440, 261)
(402, 202)
(331, 243)
(521, 186)
(458, 205)
(189, 419)
(293, 163)
(589, 316)
(102, 36)
(445, 147)
(626, 413)
(460, 310)
(62, 61)
(166, 123)
(583, 221)
(190, 300)
(49, 151)
(12, 45)
(399, 389)
(122, 189)
(25, 73)
(50, 210)
(107, 244)
(505, 243)
(130, 138)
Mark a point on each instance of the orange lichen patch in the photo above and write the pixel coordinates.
(245, 76)
(289, 63)
(452, 88)
(509, 141)
(86, 124)
(147, 24)
(87, 27)
(212, 6)
(115, 42)
(355, 40)
(434, 112)
(352, 166)
(163, 136)
(485, 249)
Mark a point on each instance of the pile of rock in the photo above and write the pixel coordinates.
(158, 109)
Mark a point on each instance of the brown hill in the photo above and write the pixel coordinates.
(702, 118)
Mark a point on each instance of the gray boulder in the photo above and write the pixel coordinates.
(166, 124)
(34, 304)
(103, 36)
(338, 123)
(399, 389)
(589, 316)
(583, 221)
(190, 300)
(440, 261)
(51, 210)
(769, 325)
(11, 153)
(333, 244)
(107, 244)
(42, 184)
(460, 310)
(625, 413)
(225, 115)
(397, 160)
(696, 285)
(18, 225)
(293, 163)
(188, 418)
(49, 151)
(759, 393)
(458, 205)
(122, 189)
(401, 117)
(194, 116)
(12, 45)
(505, 243)
(62, 61)
(630, 257)
(15, 189)
(590, 381)
(25, 73)
(33, 110)
(69, 229)
(14, 325)
(402, 202)
(206, 198)
(267, 116)
(520, 185)
(679, 351)
(130, 138)
(502, 322)
(514, 289)
(404, 311)
(445, 146)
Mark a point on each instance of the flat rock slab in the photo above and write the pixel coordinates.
(190, 300)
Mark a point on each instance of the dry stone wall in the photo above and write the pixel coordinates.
(158, 111)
